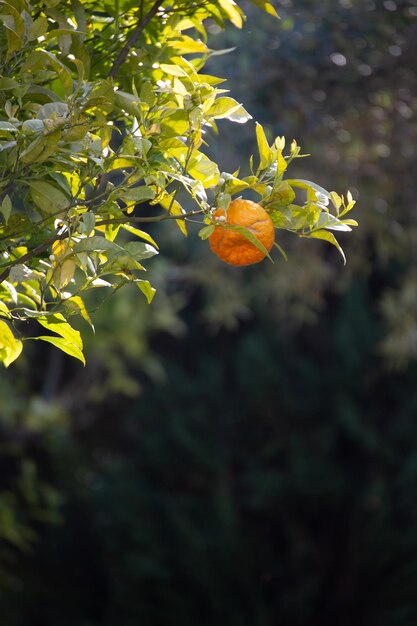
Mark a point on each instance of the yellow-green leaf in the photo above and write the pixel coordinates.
(281, 163)
(57, 323)
(10, 347)
(64, 345)
(233, 12)
(173, 206)
(202, 168)
(4, 310)
(266, 155)
(75, 304)
(326, 236)
(140, 233)
(206, 231)
(63, 265)
(336, 199)
(146, 288)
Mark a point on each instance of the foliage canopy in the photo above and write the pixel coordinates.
(104, 113)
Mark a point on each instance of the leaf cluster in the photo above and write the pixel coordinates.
(104, 114)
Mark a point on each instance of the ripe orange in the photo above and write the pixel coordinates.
(232, 247)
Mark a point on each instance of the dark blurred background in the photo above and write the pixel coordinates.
(244, 450)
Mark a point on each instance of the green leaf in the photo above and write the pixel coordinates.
(37, 28)
(281, 217)
(329, 222)
(6, 126)
(7, 145)
(129, 103)
(223, 200)
(282, 251)
(245, 232)
(234, 185)
(313, 213)
(32, 127)
(6, 208)
(63, 72)
(326, 236)
(140, 250)
(138, 194)
(95, 243)
(15, 28)
(56, 111)
(147, 93)
(89, 221)
(121, 263)
(48, 197)
(206, 231)
(41, 148)
(80, 17)
(64, 345)
(282, 195)
(80, 70)
(11, 290)
(293, 217)
(20, 273)
(8, 83)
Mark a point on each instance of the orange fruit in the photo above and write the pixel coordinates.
(232, 247)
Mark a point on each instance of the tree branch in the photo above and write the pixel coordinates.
(148, 220)
(116, 220)
(34, 252)
(134, 37)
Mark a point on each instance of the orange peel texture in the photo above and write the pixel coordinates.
(232, 247)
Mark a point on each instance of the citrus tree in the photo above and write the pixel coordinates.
(105, 115)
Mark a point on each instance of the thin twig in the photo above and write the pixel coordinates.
(134, 37)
